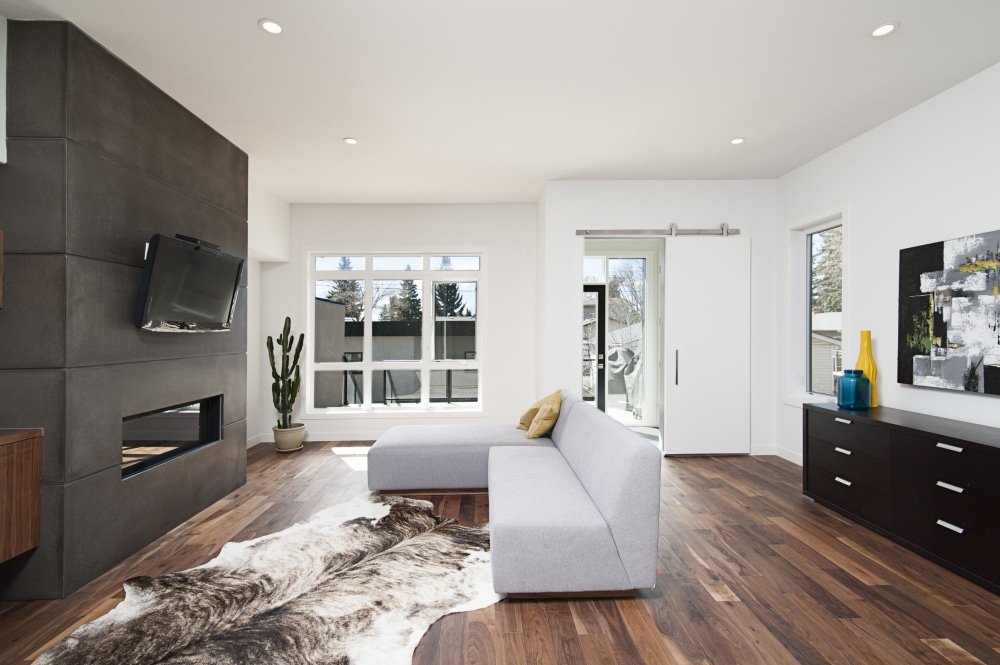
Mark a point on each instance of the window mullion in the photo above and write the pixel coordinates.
(367, 375)
(427, 339)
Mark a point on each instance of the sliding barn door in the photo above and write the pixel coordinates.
(706, 321)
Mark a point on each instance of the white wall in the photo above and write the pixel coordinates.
(930, 174)
(505, 232)
(3, 90)
(257, 371)
(268, 219)
(654, 204)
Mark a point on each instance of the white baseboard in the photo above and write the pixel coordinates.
(340, 435)
(764, 450)
(790, 455)
(311, 435)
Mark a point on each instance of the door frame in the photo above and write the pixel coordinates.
(652, 249)
(600, 383)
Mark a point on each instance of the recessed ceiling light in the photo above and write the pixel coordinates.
(884, 29)
(350, 141)
(269, 25)
(738, 140)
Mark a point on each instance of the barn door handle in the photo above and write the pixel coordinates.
(677, 367)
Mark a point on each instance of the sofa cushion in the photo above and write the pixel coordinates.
(545, 419)
(546, 534)
(621, 472)
(438, 456)
(529, 415)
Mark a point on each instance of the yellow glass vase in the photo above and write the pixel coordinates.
(866, 363)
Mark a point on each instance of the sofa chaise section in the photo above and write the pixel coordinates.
(420, 457)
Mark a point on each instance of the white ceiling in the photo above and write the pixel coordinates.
(485, 100)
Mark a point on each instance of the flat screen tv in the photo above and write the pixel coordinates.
(188, 285)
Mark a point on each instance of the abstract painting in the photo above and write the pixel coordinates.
(949, 314)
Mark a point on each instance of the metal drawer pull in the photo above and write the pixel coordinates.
(954, 449)
(949, 486)
(842, 481)
(843, 421)
(842, 451)
(950, 526)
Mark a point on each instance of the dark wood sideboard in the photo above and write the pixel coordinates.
(20, 490)
(931, 484)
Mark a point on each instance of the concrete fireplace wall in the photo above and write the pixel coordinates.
(99, 160)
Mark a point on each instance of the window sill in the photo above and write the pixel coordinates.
(798, 399)
(392, 412)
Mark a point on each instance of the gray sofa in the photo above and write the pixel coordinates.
(576, 512)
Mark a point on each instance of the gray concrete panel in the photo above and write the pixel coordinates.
(36, 78)
(33, 325)
(114, 210)
(100, 307)
(122, 114)
(97, 398)
(32, 398)
(33, 191)
(108, 519)
(38, 573)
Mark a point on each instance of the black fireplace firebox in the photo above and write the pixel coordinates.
(154, 437)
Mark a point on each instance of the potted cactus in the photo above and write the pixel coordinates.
(288, 436)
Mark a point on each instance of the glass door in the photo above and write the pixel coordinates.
(593, 387)
(626, 339)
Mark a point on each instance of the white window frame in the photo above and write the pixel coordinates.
(426, 364)
(799, 314)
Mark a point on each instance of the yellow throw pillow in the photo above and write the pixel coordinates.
(545, 419)
(529, 415)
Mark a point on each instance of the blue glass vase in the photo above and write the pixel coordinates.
(854, 390)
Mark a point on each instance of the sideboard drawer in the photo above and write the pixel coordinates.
(969, 546)
(846, 460)
(851, 494)
(846, 431)
(951, 458)
(973, 501)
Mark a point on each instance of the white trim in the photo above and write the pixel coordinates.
(798, 297)
(792, 456)
(651, 250)
(798, 399)
(259, 438)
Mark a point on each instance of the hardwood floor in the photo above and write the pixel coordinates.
(750, 572)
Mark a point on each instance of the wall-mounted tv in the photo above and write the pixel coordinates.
(188, 285)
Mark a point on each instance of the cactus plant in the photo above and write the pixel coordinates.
(285, 388)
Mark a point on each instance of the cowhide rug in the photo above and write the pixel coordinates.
(358, 584)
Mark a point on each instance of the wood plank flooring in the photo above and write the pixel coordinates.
(750, 572)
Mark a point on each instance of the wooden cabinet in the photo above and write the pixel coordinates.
(20, 490)
(931, 484)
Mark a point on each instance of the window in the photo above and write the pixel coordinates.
(393, 332)
(824, 251)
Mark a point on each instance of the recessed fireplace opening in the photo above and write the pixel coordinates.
(154, 437)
